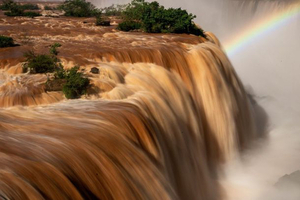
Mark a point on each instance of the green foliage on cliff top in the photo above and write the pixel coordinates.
(79, 8)
(154, 18)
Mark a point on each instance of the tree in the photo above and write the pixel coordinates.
(79, 8)
(15, 9)
(154, 18)
(7, 4)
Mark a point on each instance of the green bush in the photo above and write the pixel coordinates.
(76, 84)
(39, 63)
(31, 14)
(14, 10)
(29, 7)
(154, 18)
(79, 8)
(6, 41)
(18, 10)
(53, 49)
(60, 73)
(7, 4)
(129, 25)
(42, 63)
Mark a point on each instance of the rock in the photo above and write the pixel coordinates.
(55, 85)
(291, 179)
(287, 188)
(95, 70)
(103, 23)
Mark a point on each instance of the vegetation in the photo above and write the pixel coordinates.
(154, 18)
(39, 63)
(114, 10)
(6, 4)
(42, 63)
(14, 9)
(29, 7)
(79, 8)
(76, 84)
(71, 82)
(24, 14)
(53, 49)
(6, 41)
(129, 25)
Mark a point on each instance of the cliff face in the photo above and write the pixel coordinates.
(166, 111)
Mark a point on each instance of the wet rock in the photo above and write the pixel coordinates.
(54, 85)
(103, 23)
(95, 70)
(287, 188)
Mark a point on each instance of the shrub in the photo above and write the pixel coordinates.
(31, 14)
(29, 7)
(53, 49)
(15, 10)
(134, 10)
(6, 41)
(76, 85)
(18, 10)
(39, 63)
(7, 4)
(79, 8)
(42, 63)
(129, 25)
(154, 18)
(60, 73)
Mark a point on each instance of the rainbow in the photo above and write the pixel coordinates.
(258, 29)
